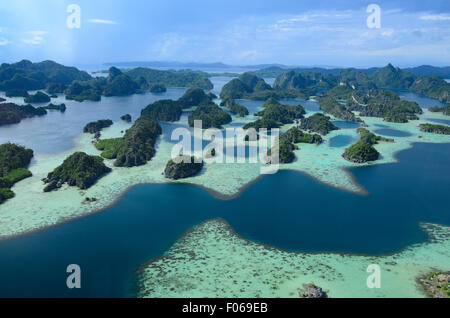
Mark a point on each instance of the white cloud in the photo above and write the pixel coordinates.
(435, 17)
(4, 41)
(37, 37)
(102, 21)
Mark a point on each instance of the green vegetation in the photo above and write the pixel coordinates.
(138, 144)
(164, 110)
(235, 108)
(16, 92)
(435, 129)
(444, 109)
(61, 107)
(33, 76)
(432, 86)
(437, 284)
(157, 88)
(126, 117)
(298, 81)
(391, 77)
(185, 78)
(109, 147)
(89, 90)
(318, 123)
(55, 88)
(246, 86)
(370, 138)
(194, 97)
(119, 84)
(361, 152)
(12, 114)
(275, 115)
(295, 135)
(182, 167)
(211, 115)
(97, 126)
(336, 109)
(39, 97)
(79, 169)
(385, 104)
(13, 162)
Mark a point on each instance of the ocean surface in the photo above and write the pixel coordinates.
(288, 210)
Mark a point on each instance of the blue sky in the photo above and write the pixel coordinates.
(239, 32)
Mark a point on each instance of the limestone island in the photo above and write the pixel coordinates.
(182, 167)
(79, 169)
(435, 129)
(14, 160)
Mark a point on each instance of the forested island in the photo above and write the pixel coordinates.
(164, 110)
(79, 169)
(97, 126)
(11, 113)
(363, 150)
(39, 97)
(14, 160)
(444, 109)
(182, 167)
(274, 115)
(435, 129)
(211, 115)
(136, 147)
(234, 107)
(318, 123)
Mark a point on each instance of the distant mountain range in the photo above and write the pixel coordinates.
(273, 70)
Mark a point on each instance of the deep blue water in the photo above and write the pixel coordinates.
(422, 100)
(346, 124)
(341, 141)
(440, 121)
(288, 210)
(392, 132)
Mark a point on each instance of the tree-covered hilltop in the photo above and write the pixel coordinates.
(211, 115)
(247, 86)
(89, 90)
(432, 86)
(318, 123)
(55, 88)
(234, 107)
(157, 88)
(361, 152)
(297, 81)
(39, 97)
(170, 78)
(370, 138)
(164, 110)
(444, 109)
(331, 106)
(296, 135)
(97, 126)
(79, 169)
(355, 80)
(391, 77)
(14, 160)
(385, 104)
(16, 92)
(194, 97)
(119, 84)
(33, 76)
(285, 150)
(435, 129)
(182, 167)
(274, 115)
(61, 107)
(126, 118)
(138, 144)
(12, 114)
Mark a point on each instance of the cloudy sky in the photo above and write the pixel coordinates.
(240, 32)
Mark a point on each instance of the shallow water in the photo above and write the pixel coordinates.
(341, 141)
